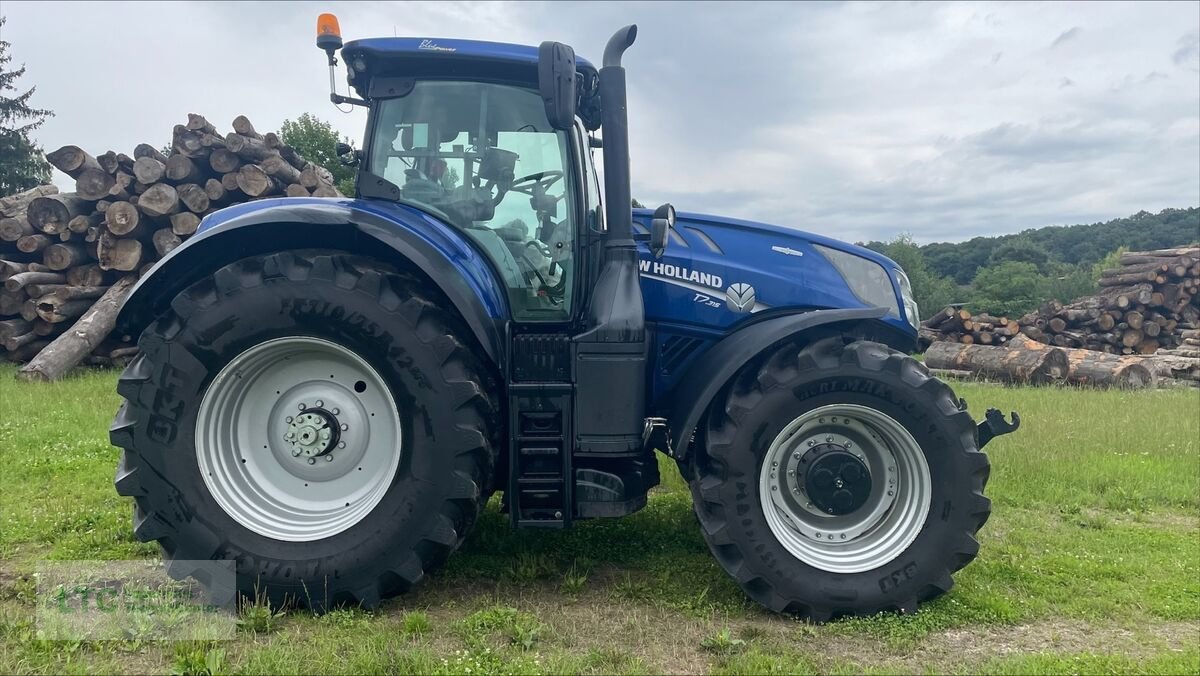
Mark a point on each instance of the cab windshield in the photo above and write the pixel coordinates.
(484, 157)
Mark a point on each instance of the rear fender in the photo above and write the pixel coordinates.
(393, 234)
(711, 371)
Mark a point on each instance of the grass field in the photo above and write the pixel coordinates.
(1090, 564)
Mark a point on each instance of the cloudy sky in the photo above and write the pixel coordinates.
(861, 121)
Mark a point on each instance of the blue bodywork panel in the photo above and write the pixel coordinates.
(416, 56)
(686, 290)
(462, 258)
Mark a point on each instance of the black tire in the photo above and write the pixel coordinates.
(778, 389)
(446, 410)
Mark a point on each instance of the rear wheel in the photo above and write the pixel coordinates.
(840, 479)
(313, 418)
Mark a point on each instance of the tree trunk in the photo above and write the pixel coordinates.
(12, 229)
(248, 148)
(326, 191)
(196, 122)
(15, 204)
(71, 347)
(181, 169)
(185, 223)
(215, 190)
(33, 243)
(148, 170)
(296, 190)
(53, 213)
(1090, 367)
(93, 184)
(66, 293)
(242, 126)
(1017, 366)
(56, 312)
(121, 218)
(72, 160)
(255, 182)
(86, 275)
(281, 169)
(119, 253)
(224, 160)
(165, 241)
(14, 327)
(147, 150)
(193, 197)
(159, 200)
(63, 256)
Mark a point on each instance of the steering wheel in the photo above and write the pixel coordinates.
(536, 183)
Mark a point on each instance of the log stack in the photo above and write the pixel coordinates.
(958, 325)
(1141, 328)
(1143, 306)
(66, 259)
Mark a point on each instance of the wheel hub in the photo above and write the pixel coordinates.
(313, 433)
(835, 480)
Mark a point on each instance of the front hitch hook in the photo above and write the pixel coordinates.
(994, 425)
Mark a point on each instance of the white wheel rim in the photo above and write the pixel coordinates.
(298, 439)
(883, 526)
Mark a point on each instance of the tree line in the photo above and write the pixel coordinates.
(1013, 274)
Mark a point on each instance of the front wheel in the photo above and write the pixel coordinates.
(840, 480)
(317, 419)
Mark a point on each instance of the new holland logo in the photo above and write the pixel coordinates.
(740, 297)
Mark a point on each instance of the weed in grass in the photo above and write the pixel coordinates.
(759, 661)
(574, 579)
(520, 628)
(722, 643)
(530, 567)
(198, 660)
(416, 623)
(751, 632)
(258, 616)
(612, 661)
(629, 589)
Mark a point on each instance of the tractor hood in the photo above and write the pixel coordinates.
(720, 271)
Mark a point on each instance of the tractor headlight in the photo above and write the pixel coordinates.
(867, 279)
(911, 311)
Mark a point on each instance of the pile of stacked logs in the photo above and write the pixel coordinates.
(1143, 306)
(958, 325)
(1142, 326)
(67, 259)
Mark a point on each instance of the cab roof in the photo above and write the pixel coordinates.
(444, 57)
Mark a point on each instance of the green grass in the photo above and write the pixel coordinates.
(1090, 564)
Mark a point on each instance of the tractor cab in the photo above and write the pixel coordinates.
(459, 129)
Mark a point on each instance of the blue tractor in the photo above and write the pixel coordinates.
(329, 390)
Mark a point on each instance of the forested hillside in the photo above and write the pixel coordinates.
(1011, 274)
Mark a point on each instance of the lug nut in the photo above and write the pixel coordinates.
(289, 436)
(812, 443)
(335, 411)
(342, 444)
(288, 419)
(295, 453)
(329, 458)
(301, 407)
(312, 461)
(345, 427)
(320, 403)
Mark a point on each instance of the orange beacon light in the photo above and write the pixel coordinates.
(329, 34)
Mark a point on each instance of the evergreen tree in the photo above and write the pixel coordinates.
(22, 164)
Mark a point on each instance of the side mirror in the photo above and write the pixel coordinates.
(660, 227)
(347, 155)
(556, 83)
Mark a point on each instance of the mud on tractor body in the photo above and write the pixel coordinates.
(329, 390)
